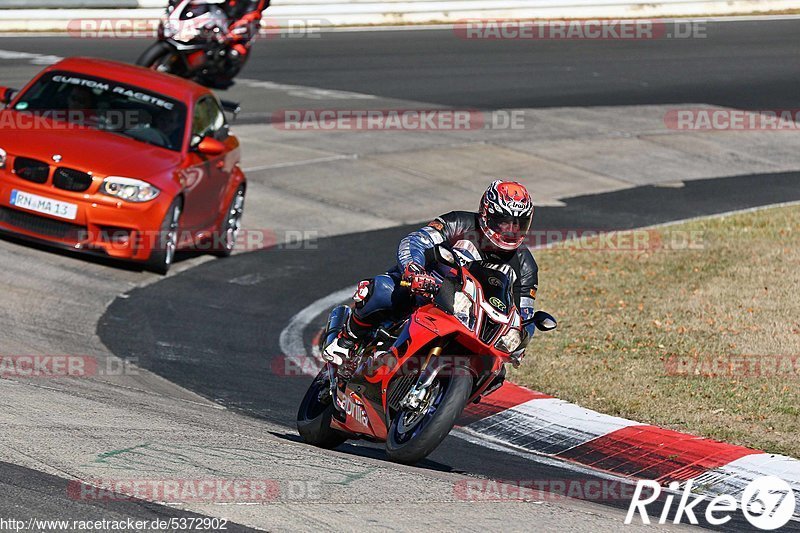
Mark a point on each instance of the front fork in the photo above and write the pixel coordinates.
(418, 393)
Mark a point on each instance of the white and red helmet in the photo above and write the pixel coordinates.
(505, 214)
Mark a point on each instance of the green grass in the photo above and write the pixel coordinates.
(624, 314)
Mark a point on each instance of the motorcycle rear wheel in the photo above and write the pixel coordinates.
(314, 416)
(409, 445)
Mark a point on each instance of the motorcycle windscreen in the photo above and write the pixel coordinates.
(445, 297)
(497, 283)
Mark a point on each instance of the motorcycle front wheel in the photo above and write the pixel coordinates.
(314, 415)
(162, 57)
(415, 434)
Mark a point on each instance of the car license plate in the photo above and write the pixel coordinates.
(40, 204)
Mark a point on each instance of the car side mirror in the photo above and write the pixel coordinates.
(209, 146)
(6, 95)
(543, 321)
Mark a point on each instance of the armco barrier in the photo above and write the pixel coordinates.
(73, 4)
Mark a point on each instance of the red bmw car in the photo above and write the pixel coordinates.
(119, 160)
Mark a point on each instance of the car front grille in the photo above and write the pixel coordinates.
(42, 226)
(71, 180)
(31, 169)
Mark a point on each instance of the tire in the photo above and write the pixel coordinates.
(232, 225)
(163, 255)
(413, 445)
(314, 417)
(157, 54)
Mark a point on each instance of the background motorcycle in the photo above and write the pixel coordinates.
(192, 44)
(446, 354)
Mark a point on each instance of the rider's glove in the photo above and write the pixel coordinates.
(240, 30)
(420, 282)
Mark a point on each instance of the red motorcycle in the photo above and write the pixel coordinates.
(192, 44)
(409, 381)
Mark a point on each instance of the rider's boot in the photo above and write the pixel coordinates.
(340, 350)
(343, 346)
(237, 57)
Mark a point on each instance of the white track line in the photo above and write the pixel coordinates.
(303, 162)
(303, 91)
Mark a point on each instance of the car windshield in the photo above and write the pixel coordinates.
(107, 105)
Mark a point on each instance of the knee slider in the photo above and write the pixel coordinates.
(363, 292)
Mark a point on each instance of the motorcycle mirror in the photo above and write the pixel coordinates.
(210, 146)
(6, 95)
(543, 321)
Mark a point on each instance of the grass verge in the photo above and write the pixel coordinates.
(695, 328)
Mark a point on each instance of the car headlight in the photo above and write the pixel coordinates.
(510, 341)
(129, 189)
(3, 157)
(462, 309)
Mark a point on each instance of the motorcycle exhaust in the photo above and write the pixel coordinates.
(336, 321)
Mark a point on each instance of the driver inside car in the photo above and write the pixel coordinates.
(171, 127)
(495, 233)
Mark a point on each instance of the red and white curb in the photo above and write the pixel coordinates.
(554, 428)
(518, 419)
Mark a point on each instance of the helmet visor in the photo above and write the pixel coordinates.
(510, 229)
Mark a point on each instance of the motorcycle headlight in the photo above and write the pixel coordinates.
(187, 33)
(129, 189)
(3, 157)
(462, 309)
(510, 341)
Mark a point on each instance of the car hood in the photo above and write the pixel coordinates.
(87, 150)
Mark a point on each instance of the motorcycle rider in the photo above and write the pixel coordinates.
(496, 232)
(245, 16)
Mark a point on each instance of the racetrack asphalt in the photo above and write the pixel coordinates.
(224, 354)
(245, 302)
(735, 64)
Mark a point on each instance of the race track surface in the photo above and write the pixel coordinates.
(745, 65)
(243, 303)
(206, 335)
